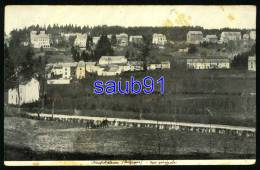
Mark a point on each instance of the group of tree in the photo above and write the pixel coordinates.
(172, 33)
(103, 48)
(240, 61)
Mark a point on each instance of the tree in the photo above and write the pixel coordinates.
(89, 43)
(113, 40)
(192, 49)
(103, 47)
(145, 52)
(8, 64)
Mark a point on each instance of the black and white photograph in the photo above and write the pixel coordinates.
(129, 85)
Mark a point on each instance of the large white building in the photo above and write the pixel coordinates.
(230, 36)
(81, 40)
(159, 39)
(252, 35)
(211, 38)
(112, 60)
(251, 63)
(208, 63)
(122, 39)
(194, 37)
(26, 92)
(40, 40)
(136, 39)
(63, 70)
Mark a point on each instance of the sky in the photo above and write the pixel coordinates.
(233, 16)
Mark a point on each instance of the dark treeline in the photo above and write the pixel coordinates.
(172, 33)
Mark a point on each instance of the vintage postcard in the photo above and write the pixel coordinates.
(129, 85)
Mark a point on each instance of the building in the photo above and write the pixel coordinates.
(110, 71)
(68, 35)
(60, 70)
(95, 40)
(246, 37)
(159, 39)
(81, 70)
(26, 92)
(91, 67)
(162, 65)
(112, 60)
(252, 35)
(81, 40)
(251, 63)
(183, 50)
(40, 40)
(208, 63)
(122, 39)
(58, 81)
(136, 65)
(194, 37)
(211, 38)
(230, 36)
(136, 39)
(166, 64)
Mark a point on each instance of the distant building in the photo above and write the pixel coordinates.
(61, 70)
(135, 65)
(6, 40)
(208, 63)
(159, 39)
(122, 39)
(26, 92)
(58, 81)
(112, 60)
(136, 39)
(194, 37)
(110, 71)
(81, 70)
(162, 65)
(230, 36)
(183, 50)
(252, 35)
(246, 37)
(40, 40)
(211, 38)
(95, 40)
(91, 67)
(252, 63)
(81, 40)
(68, 35)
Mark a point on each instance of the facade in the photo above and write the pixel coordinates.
(91, 67)
(40, 40)
(112, 60)
(246, 37)
(122, 39)
(211, 38)
(81, 70)
(159, 39)
(230, 36)
(81, 40)
(252, 63)
(95, 40)
(208, 63)
(252, 35)
(194, 37)
(135, 65)
(26, 92)
(136, 39)
(62, 70)
(166, 64)
(111, 71)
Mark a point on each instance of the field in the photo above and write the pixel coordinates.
(201, 96)
(55, 140)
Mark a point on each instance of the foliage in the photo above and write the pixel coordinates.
(103, 47)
